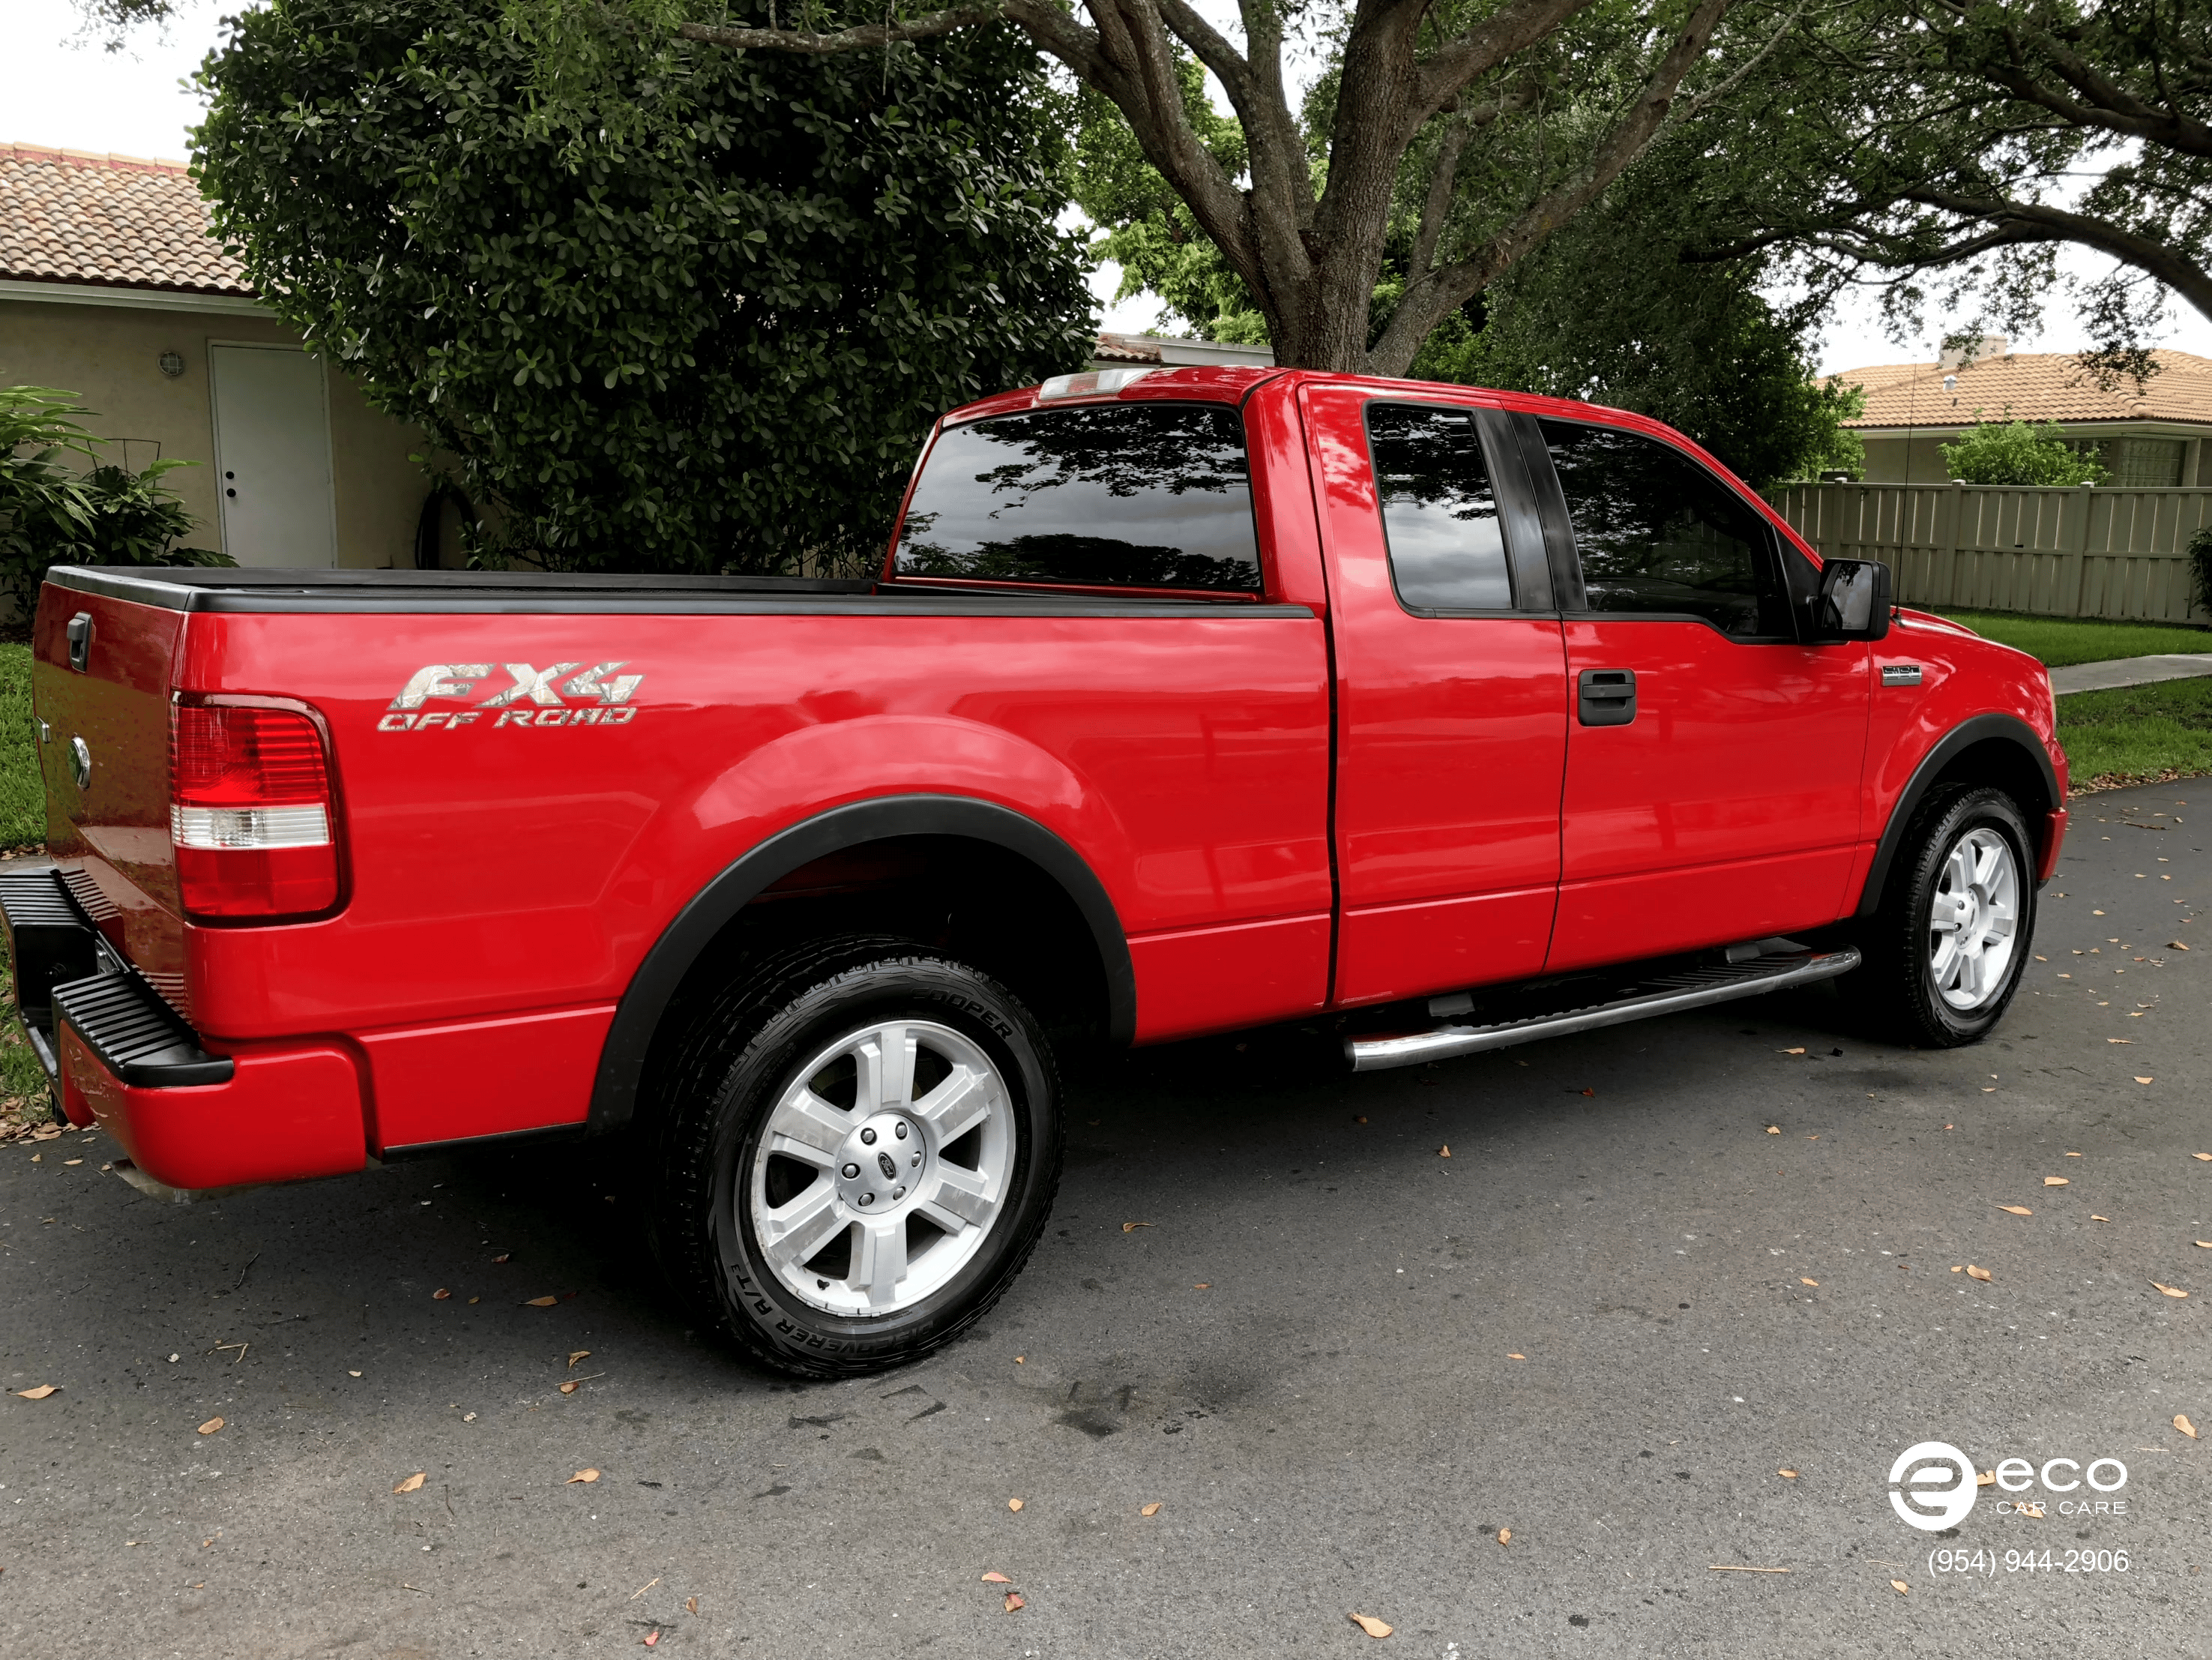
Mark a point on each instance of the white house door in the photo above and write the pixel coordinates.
(272, 453)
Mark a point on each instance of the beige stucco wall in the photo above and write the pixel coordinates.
(1916, 459)
(109, 356)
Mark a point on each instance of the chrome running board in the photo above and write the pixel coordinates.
(1664, 992)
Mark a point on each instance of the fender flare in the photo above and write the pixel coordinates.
(1978, 730)
(637, 1017)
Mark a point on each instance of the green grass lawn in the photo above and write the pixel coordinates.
(22, 795)
(2138, 735)
(2059, 641)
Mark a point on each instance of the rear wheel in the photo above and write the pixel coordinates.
(1945, 952)
(863, 1147)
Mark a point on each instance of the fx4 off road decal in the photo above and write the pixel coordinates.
(596, 696)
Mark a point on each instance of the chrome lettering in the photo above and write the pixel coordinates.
(520, 717)
(440, 680)
(533, 684)
(395, 723)
(589, 684)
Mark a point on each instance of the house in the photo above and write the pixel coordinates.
(111, 287)
(2147, 436)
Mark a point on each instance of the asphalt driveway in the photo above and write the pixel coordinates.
(1678, 1298)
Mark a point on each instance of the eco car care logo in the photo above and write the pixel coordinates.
(1933, 1486)
(601, 696)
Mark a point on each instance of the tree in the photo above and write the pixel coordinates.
(713, 346)
(1944, 138)
(2017, 452)
(1301, 214)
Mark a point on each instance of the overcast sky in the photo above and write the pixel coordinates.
(55, 90)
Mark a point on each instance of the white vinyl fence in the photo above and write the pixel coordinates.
(2088, 551)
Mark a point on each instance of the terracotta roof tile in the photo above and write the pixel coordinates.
(2030, 386)
(1125, 348)
(71, 216)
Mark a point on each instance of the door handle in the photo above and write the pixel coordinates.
(1606, 697)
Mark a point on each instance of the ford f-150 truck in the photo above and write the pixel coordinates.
(1186, 701)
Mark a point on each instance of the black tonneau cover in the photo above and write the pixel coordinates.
(268, 588)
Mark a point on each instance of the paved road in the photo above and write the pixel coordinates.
(1307, 1360)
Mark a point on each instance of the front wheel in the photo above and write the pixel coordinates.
(1945, 952)
(864, 1147)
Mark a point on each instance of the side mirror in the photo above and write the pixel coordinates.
(1853, 602)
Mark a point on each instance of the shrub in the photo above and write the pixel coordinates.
(51, 514)
(2019, 453)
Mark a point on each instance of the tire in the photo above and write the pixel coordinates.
(1967, 862)
(833, 1221)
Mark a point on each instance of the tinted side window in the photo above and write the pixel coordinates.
(1150, 496)
(1657, 532)
(1439, 514)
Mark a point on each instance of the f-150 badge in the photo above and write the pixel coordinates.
(601, 698)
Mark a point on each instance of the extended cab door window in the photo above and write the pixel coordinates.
(1712, 779)
(1101, 495)
(1450, 695)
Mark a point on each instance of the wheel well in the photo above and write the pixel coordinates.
(2001, 764)
(971, 899)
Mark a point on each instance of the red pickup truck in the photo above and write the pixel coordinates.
(1186, 701)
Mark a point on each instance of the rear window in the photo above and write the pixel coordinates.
(1138, 495)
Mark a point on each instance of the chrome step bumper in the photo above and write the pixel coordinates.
(1660, 994)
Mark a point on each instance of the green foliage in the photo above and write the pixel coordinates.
(54, 514)
(2200, 569)
(707, 341)
(2018, 453)
(22, 790)
(2137, 734)
(1150, 231)
(2057, 642)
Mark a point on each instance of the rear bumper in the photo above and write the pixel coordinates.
(121, 1058)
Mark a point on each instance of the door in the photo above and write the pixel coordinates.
(1450, 696)
(272, 453)
(1713, 763)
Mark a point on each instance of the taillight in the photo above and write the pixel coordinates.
(251, 811)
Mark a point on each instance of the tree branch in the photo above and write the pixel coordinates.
(855, 40)
(1466, 58)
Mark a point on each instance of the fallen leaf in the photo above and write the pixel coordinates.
(468, 1418)
(582, 1475)
(2171, 1291)
(1444, 1153)
(1986, 1479)
(1131, 1227)
(2055, 1182)
(1152, 1509)
(574, 1355)
(2181, 1422)
(650, 1638)
(2204, 1244)
(72, 1161)
(541, 1302)
(1787, 1475)
(1973, 1273)
(690, 1605)
(1955, 1268)
(2119, 1040)
(39, 1393)
(503, 1256)
(350, 1374)
(1015, 1600)
(1371, 1625)
(441, 1294)
(2093, 1217)
(2175, 945)
(1774, 1130)
(1802, 1281)
(995, 1578)
(1013, 1504)
(1021, 1359)
(413, 1482)
(2204, 1157)
(1203, 1284)
(2016, 1210)
(1589, 1092)
(2073, 1155)
(1517, 1357)
(2146, 1080)
(569, 1388)
(1505, 1535)
(1900, 1587)
(1796, 1051)
(210, 1427)
(1361, 1119)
